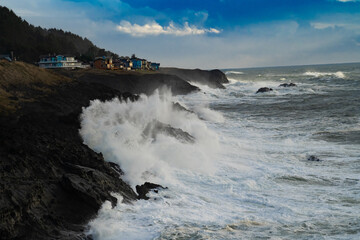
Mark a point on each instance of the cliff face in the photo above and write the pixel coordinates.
(134, 82)
(212, 78)
(51, 184)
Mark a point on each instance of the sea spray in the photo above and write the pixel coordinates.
(116, 129)
(264, 186)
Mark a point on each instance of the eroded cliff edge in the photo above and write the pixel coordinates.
(51, 184)
(213, 78)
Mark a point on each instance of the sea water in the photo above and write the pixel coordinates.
(247, 176)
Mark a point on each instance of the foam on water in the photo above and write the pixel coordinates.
(247, 175)
(338, 74)
(116, 129)
(234, 72)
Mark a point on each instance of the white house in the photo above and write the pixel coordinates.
(60, 61)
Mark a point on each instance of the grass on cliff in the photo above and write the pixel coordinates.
(21, 82)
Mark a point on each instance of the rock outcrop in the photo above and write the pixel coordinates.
(288, 85)
(313, 158)
(51, 184)
(212, 78)
(264, 89)
(134, 82)
(154, 128)
(144, 189)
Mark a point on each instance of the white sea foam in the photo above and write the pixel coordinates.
(116, 128)
(338, 74)
(263, 185)
(234, 72)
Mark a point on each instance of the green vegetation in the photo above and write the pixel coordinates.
(28, 42)
(21, 82)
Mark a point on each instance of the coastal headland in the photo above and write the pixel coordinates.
(51, 184)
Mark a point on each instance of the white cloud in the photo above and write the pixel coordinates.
(155, 29)
(348, 0)
(330, 25)
(321, 25)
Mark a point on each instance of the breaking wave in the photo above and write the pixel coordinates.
(338, 74)
(233, 72)
(149, 138)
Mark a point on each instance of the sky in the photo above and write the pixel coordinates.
(209, 33)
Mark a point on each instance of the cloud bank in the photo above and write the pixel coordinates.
(189, 36)
(155, 29)
(348, 0)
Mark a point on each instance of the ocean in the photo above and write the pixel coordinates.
(248, 173)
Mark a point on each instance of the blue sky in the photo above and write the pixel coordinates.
(209, 33)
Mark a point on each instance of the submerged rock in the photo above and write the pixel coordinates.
(155, 127)
(313, 158)
(144, 189)
(264, 89)
(288, 85)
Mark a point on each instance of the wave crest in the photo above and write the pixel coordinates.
(338, 74)
(120, 131)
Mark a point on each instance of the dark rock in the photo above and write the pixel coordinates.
(134, 82)
(51, 184)
(147, 187)
(313, 158)
(154, 128)
(288, 85)
(264, 89)
(178, 107)
(213, 78)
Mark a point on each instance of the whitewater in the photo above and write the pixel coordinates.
(247, 174)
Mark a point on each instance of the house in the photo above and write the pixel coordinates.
(127, 63)
(60, 61)
(144, 64)
(118, 64)
(103, 63)
(5, 57)
(154, 66)
(137, 63)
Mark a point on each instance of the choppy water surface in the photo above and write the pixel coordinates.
(247, 175)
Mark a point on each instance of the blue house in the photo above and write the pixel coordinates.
(136, 63)
(60, 61)
(154, 66)
(6, 57)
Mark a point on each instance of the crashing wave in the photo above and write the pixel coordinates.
(233, 72)
(149, 136)
(338, 74)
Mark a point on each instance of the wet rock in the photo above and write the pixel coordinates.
(313, 158)
(154, 128)
(288, 85)
(51, 184)
(213, 78)
(264, 89)
(144, 189)
(133, 82)
(178, 107)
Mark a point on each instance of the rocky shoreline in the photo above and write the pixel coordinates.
(51, 184)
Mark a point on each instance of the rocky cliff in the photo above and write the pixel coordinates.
(212, 78)
(51, 184)
(134, 82)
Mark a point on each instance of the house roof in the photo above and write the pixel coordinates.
(52, 55)
(5, 56)
(103, 57)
